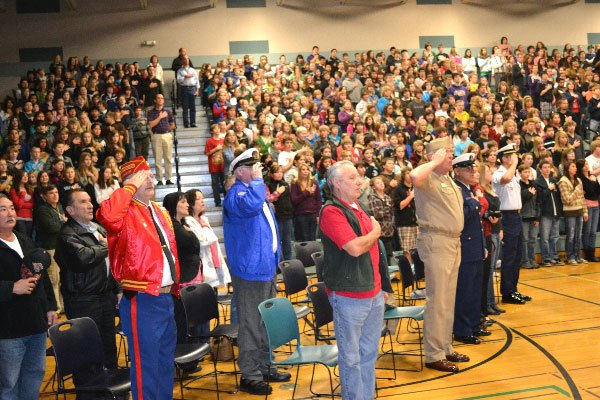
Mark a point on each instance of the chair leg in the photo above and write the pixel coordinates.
(296, 381)
(180, 378)
(215, 361)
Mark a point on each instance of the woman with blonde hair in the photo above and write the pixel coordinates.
(561, 143)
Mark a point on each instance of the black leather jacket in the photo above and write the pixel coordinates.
(82, 261)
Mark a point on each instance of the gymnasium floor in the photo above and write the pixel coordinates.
(546, 349)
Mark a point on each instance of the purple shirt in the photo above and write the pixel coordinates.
(164, 125)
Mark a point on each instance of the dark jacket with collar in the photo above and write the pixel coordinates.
(82, 261)
(545, 197)
(22, 315)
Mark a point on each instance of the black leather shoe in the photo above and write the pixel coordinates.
(193, 125)
(491, 311)
(255, 387)
(524, 297)
(168, 182)
(512, 299)
(276, 376)
(482, 332)
(468, 339)
(500, 310)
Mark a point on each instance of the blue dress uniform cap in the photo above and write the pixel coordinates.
(248, 157)
(464, 160)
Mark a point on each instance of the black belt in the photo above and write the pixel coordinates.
(511, 211)
(161, 133)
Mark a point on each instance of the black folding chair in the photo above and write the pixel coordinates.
(202, 307)
(304, 250)
(78, 349)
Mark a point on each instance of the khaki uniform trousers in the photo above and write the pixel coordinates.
(441, 256)
(54, 275)
(162, 145)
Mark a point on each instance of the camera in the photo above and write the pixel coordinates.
(492, 214)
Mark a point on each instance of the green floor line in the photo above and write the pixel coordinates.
(559, 390)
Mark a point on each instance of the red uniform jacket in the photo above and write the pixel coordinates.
(134, 249)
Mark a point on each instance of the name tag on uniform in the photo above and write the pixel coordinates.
(444, 185)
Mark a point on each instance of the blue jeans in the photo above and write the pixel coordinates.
(549, 237)
(22, 367)
(530, 234)
(188, 100)
(573, 226)
(589, 229)
(286, 235)
(357, 324)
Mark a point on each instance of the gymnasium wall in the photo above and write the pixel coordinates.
(115, 29)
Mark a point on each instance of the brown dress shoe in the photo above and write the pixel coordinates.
(457, 357)
(443, 365)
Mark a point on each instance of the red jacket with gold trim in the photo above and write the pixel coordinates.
(134, 249)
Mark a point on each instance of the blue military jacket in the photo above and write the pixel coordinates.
(472, 239)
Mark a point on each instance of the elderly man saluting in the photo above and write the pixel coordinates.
(143, 260)
(252, 244)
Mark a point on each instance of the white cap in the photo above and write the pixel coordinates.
(248, 157)
(506, 150)
(464, 160)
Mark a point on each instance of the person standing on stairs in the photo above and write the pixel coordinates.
(216, 163)
(161, 122)
(187, 78)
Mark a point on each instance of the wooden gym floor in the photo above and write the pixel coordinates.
(547, 349)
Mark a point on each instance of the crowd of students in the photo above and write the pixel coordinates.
(73, 125)
(379, 110)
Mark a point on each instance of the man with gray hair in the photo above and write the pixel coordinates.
(353, 279)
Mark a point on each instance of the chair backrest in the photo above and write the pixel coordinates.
(319, 261)
(419, 265)
(304, 250)
(322, 310)
(280, 322)
(294, 276)
(77, 346)
(406, 273)
(200, 305)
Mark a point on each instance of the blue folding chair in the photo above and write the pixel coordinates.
(282, 328)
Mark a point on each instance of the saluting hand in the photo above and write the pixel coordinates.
(139, 178)
(257, 171)
(439, 156)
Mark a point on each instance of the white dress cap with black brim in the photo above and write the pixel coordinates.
(247, 158)
(506, 150)
(464, 160)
